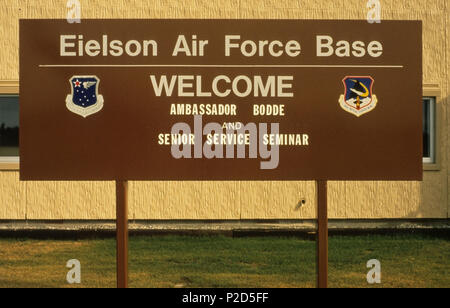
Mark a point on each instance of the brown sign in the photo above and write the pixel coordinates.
(220, 100)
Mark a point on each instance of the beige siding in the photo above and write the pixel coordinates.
(70, 200)
(234, 200)
(13, 203)
(184, 200)
(446, 122)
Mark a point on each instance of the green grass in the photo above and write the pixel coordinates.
(169, 261)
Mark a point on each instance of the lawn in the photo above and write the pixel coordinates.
(175, 261)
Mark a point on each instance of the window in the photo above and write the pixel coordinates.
(429, 130)
(9, 128)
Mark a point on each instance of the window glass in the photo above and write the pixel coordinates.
(9, 126)
(429, 130)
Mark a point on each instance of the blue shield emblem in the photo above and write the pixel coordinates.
(358, 98)
(84, 99)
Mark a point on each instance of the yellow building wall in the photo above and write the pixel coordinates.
(235, 200)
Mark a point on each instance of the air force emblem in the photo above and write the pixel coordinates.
(358, 98)
(84, 99)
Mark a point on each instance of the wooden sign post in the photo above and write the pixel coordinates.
(322, 234)
(122, 233)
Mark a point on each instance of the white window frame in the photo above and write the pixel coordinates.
(432, 113)
(433, 91)
(9, 88)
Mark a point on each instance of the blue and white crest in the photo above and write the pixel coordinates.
(358, 98)
(84, 99)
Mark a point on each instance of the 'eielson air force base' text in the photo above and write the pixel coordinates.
(76, 45)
